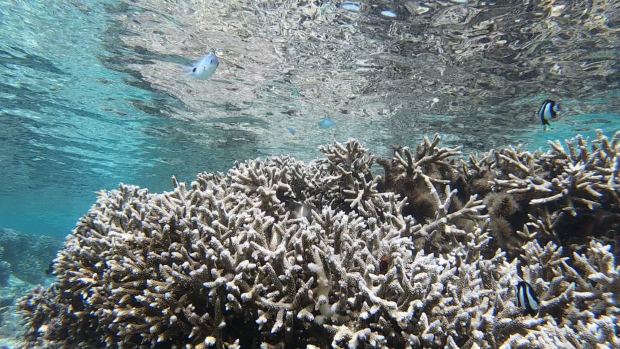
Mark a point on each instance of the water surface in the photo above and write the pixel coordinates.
(92, 93)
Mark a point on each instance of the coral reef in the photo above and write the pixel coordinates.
(280, 253)
(27, 256)
(10, 320)
(5, 272)
(5, 269)
(567, 195)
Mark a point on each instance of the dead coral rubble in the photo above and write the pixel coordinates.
(226, 263)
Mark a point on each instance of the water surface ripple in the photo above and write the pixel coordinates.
(92, 92)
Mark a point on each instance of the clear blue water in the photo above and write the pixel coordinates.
(91, 93)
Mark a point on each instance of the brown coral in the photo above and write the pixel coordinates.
(501, 205)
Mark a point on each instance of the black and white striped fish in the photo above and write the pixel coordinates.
(527, 298)
(548, 110)
(299, 210)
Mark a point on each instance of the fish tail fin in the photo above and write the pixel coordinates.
(187, 71)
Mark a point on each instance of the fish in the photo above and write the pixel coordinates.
(299, 210)
(548, 110)
(204, 68)
(527, 298)
(383, 264)
(291, 130)
(326, 123)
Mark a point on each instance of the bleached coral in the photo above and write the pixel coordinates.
(224, 263)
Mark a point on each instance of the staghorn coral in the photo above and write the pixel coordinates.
(579, 300)
(409, 176)
(350, 181)
(226, 263)
(567, 195)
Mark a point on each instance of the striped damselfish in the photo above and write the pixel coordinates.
(527, 298)
(299, 210)
(547, 111)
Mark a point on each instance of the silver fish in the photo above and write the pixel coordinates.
(204, 68)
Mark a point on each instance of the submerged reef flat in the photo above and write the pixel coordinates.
(285, 254)
(26, 256)
(10, 320)
(24, 260)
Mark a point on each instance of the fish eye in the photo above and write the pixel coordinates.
(194, 70)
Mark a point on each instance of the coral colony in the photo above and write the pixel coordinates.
(285, 254)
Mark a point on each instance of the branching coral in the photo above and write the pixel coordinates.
(410, 174)
(579, 298)
(578, 177)
(566, 195)
(225, 263)
(192, 272)
(350, 176)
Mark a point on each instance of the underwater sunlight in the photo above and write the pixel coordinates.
(297, 156)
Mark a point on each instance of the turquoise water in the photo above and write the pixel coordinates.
(91, 93)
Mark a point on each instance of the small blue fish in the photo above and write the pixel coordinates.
(526, 298)
(204, 68)
(547, 111)
(291, 130)
(326, 123)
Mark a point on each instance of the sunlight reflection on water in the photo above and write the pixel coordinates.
(92, 93)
